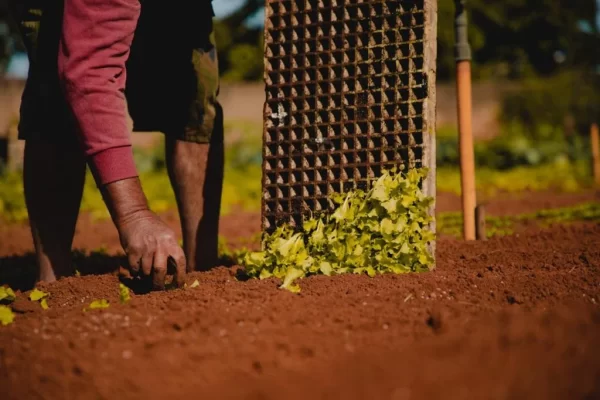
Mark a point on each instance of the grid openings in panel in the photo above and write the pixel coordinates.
(345, 97)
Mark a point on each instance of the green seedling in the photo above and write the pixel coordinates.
(382, 230)
(6, 315)
(124, 295)
(102, 250)
(39, 296)
(97, 304)
(7, 295)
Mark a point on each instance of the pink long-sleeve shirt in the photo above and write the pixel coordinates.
(95, 44)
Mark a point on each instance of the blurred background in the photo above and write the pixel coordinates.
(536, 91)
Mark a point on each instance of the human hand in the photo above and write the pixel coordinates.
(149, 244)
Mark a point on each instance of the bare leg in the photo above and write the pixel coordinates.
(196, 173)
(53, 181)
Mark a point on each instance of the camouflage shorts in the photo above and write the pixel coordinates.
(172, 71)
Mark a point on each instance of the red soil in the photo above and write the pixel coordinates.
(508, 318)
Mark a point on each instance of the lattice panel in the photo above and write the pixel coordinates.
(350, 91)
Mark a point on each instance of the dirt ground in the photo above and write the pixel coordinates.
(508, 318)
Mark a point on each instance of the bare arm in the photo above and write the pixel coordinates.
(95, 45)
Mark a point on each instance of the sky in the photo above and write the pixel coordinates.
(225, 7)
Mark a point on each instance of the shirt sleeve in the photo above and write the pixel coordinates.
(95, 44)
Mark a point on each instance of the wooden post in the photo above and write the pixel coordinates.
(480, 222)
(595, 142)
(465, 129)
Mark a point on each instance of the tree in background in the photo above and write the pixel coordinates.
(241, 47)
(510, 39)
(520, 38)
(7, 35)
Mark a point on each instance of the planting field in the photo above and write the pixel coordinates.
(329, 94)
(514, 317)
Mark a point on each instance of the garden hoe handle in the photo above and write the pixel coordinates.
(465, 130)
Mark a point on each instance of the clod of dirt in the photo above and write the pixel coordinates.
(434, 321)
(23, 306)
(257, 366)
(513, 300)
(307, 352)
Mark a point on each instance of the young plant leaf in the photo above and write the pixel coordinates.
(97, 304)
(382, 230)
(195, 284)
(290, 277)
(6, 315)
(37, 295)
(325, 268)
(124, 295)
(7, 295)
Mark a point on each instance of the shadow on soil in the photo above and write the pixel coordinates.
(20, 272)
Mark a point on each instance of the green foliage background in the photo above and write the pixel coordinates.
(516, 40)
(241, 189)
(557, 170)
(510, 39)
